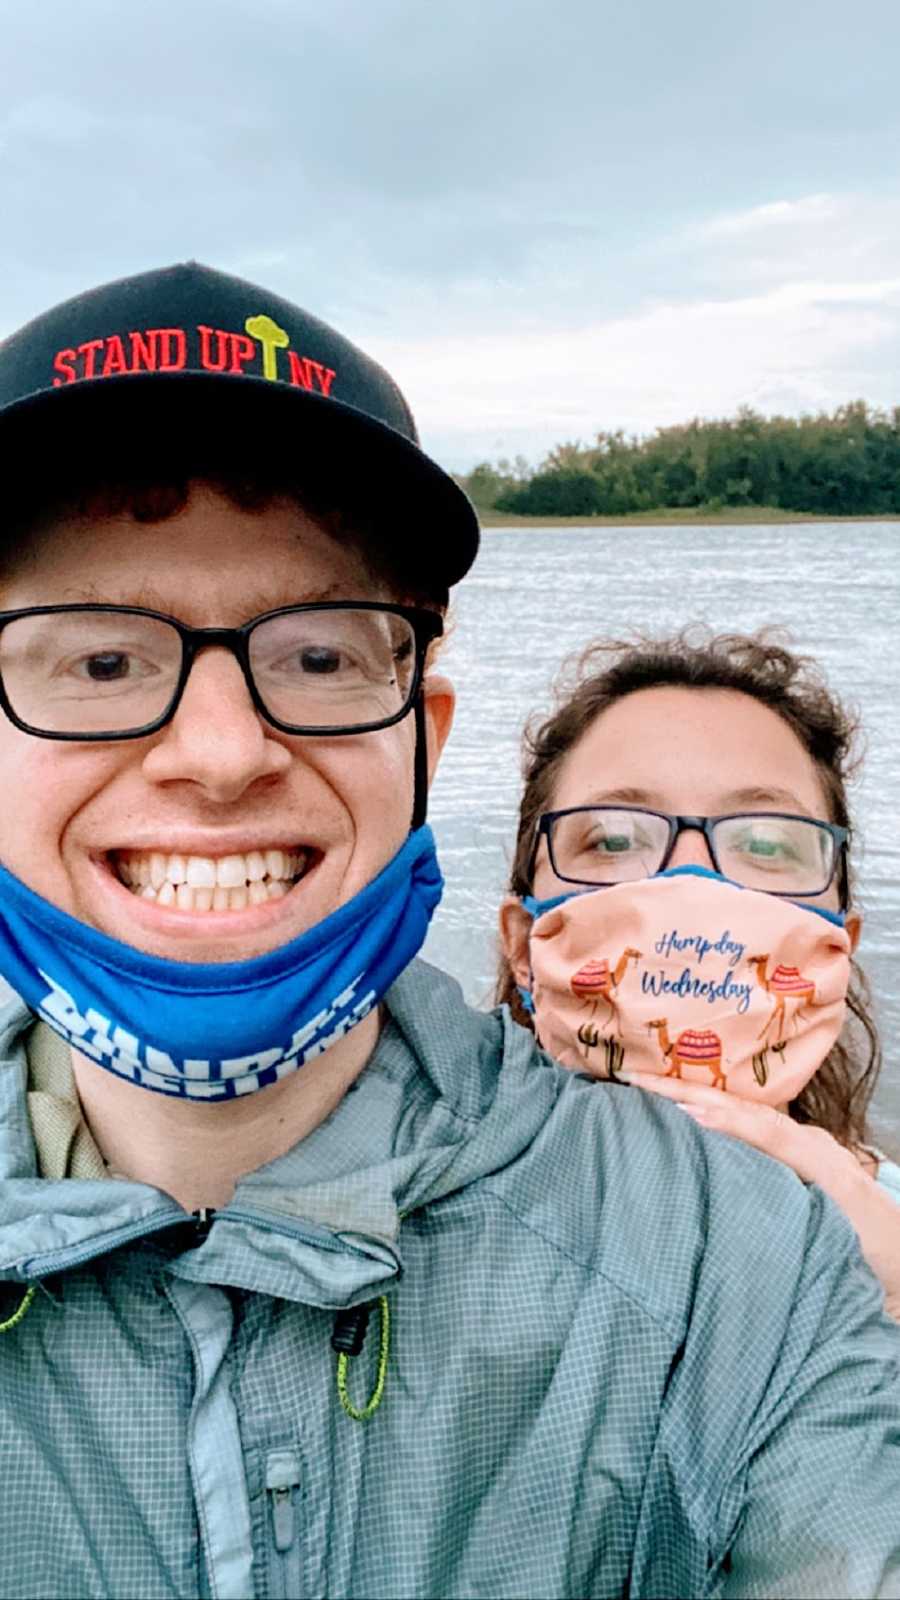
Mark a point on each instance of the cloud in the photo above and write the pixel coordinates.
(791, 305)
(374, 149)
(840, 235)
(811, 209)
(555, 219)
(797, 347)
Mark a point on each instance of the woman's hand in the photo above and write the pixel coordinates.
(812, 1153)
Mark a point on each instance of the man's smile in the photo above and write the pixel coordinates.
(210, 883)
(209, 902)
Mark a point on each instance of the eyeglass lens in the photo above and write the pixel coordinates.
(90, 672)
(604, 845)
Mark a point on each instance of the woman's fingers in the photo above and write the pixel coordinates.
(813, 1154)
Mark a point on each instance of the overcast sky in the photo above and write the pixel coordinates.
(546, 219)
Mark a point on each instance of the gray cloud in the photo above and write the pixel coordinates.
(409, 170)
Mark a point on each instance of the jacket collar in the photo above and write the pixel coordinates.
(438, 1105)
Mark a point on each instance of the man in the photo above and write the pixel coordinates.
(314, 1281)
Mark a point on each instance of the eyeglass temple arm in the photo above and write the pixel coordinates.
(420, 763)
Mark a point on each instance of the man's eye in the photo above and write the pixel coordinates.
(110, 667)
(319, 659)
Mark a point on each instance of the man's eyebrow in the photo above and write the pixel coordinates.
(253, 603)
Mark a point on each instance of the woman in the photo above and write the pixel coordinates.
(681, 916)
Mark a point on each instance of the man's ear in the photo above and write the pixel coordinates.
(440, 701)
(853, 922)
(514, 928)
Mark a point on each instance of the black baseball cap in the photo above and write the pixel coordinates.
(185, 361)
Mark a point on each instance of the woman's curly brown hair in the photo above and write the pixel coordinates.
(792, 685)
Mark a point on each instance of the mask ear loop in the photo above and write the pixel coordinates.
(527, 995)
(420, 766)
(535, 909)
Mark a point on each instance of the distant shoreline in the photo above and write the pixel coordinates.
(674, 516)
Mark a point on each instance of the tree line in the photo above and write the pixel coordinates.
(844, 463)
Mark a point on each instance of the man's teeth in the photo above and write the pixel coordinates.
(207, 883)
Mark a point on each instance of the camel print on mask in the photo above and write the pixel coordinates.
(694, 1047)
(593, 982)
(785, 983)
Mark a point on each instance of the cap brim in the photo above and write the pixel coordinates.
(271, 431)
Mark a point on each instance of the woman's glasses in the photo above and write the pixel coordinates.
(767, 850)
(118, 672)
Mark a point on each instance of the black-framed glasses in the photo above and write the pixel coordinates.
(118, 672)
(774, 851)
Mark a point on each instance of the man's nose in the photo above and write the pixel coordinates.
(691, 850)
(216, 738)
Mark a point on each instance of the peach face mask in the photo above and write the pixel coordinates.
(693, 977)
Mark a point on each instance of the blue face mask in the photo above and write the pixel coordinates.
(210, 1031)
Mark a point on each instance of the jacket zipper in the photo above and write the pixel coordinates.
(282, 1480)
(320, 1239)
(128, 1233)
(62, 1260)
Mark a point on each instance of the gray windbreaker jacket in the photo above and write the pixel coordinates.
(626, 1357)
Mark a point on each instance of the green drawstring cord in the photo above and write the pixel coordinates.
(357, 1413)
(19, 1313)
(353, 1347)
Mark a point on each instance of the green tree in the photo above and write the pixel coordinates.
(555, 494)
(845, 463)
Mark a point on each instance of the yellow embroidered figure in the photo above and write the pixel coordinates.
(272, 338)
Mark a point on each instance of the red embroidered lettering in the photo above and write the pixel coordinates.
(172, 348)
(304, 370)
(324, 375)
(89, 351)
(301, 375)
(242, 351)
(114, 360)
(62, 363)
(219, 361)
(143, 351)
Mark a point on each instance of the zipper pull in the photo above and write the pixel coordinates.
(203, 1219)
(282, 1477)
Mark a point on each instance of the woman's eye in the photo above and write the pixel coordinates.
(611, 844)
(764, 847)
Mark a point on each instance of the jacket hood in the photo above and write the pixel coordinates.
(429, 1115)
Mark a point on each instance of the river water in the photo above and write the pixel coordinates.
(538, 594)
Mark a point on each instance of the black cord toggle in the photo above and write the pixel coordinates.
(349, 1332)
